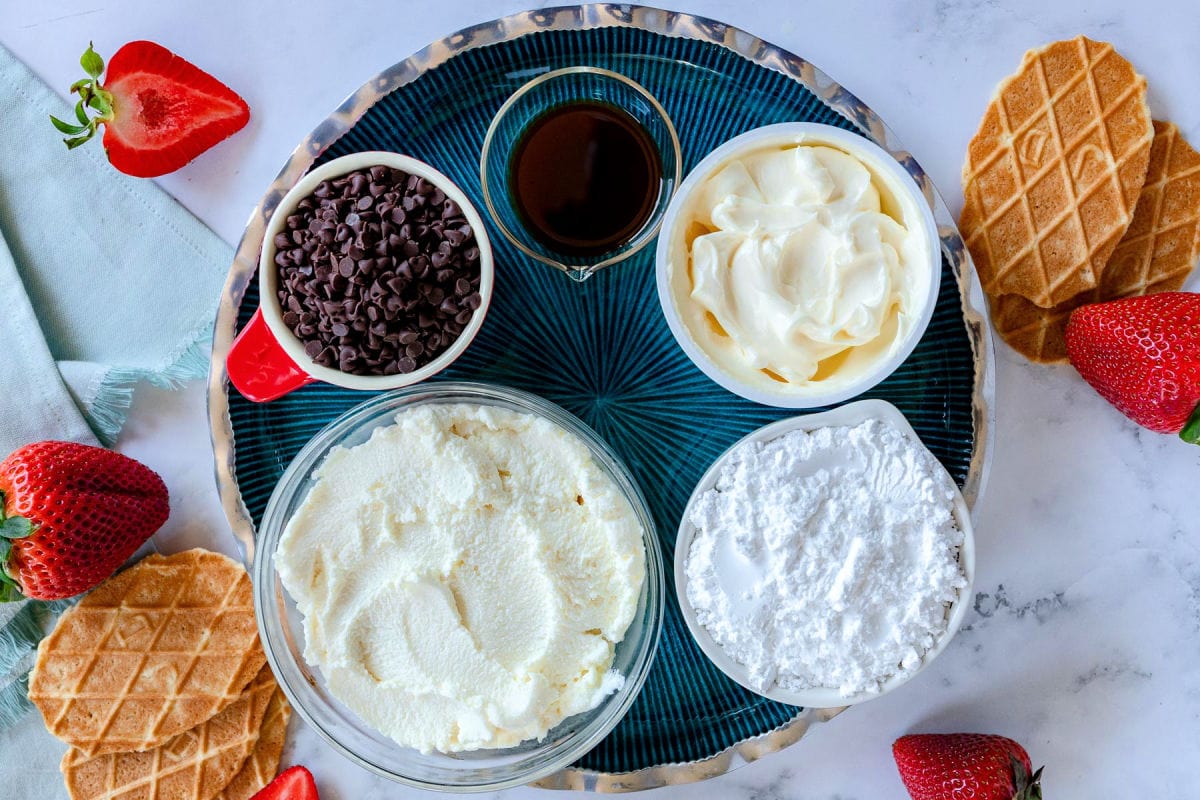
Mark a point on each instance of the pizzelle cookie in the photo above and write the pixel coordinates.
(263, 762)
(1157, 253)
(150, 653)
(1160, 248)
(194, 765)
(1054, 172)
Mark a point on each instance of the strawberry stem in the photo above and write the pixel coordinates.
(92, 95)
(1191, 430)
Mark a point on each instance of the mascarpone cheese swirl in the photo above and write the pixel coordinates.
(797, 258)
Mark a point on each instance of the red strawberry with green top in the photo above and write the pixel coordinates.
(294, 783)
(71, 515)
(965, 766)
(1142, 354)
(158, 110)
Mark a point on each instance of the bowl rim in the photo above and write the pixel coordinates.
(268, 301)
(849, 414)
(268, 602)
(799, 133)
(646, 233)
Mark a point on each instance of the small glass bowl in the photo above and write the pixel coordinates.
(280, 624)
(537, 97)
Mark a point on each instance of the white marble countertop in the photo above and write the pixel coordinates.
(1086, 628)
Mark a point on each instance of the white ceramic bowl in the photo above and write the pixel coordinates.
(268, 274)
(672, 253)
(850, 414)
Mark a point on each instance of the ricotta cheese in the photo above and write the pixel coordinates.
(826, 559)
(464, 576)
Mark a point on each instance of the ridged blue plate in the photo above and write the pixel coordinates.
(601, 349)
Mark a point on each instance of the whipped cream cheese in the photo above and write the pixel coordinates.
(464, 576)
(797, 267)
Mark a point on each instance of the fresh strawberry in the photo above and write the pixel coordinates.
(72, 514)
(294, 783)
(158, 110)
(965, 766)
(1142, 354)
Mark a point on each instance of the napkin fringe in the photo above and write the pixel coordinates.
(19, 639)
(112, 396)
(14, 701)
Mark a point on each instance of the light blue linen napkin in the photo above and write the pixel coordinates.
(106, 281)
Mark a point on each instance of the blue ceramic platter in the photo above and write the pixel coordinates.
(601, 349)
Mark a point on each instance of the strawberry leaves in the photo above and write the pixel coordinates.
(1026, 786)
(14, 527)
(93, 96)
(1191, 429)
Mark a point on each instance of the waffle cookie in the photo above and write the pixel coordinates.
(263, 762)
(1157, 253)
(150, 653)
(194, 765)
(1054, 172)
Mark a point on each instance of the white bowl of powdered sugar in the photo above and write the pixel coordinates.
(826, 559)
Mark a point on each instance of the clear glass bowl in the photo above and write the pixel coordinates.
(280, 627)
(549, 91)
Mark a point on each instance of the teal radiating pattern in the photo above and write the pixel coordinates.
(602, 349)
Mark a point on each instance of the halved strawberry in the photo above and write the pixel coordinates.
(159, 111)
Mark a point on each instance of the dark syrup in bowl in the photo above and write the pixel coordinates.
(585, 178)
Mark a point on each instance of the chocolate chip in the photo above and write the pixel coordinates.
(377, 272)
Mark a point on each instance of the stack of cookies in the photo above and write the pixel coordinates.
(158, 682)
(1073, 195)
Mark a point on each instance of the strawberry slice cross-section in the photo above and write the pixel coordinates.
(159, 111)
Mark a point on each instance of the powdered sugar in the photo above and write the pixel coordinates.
(826, 558)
